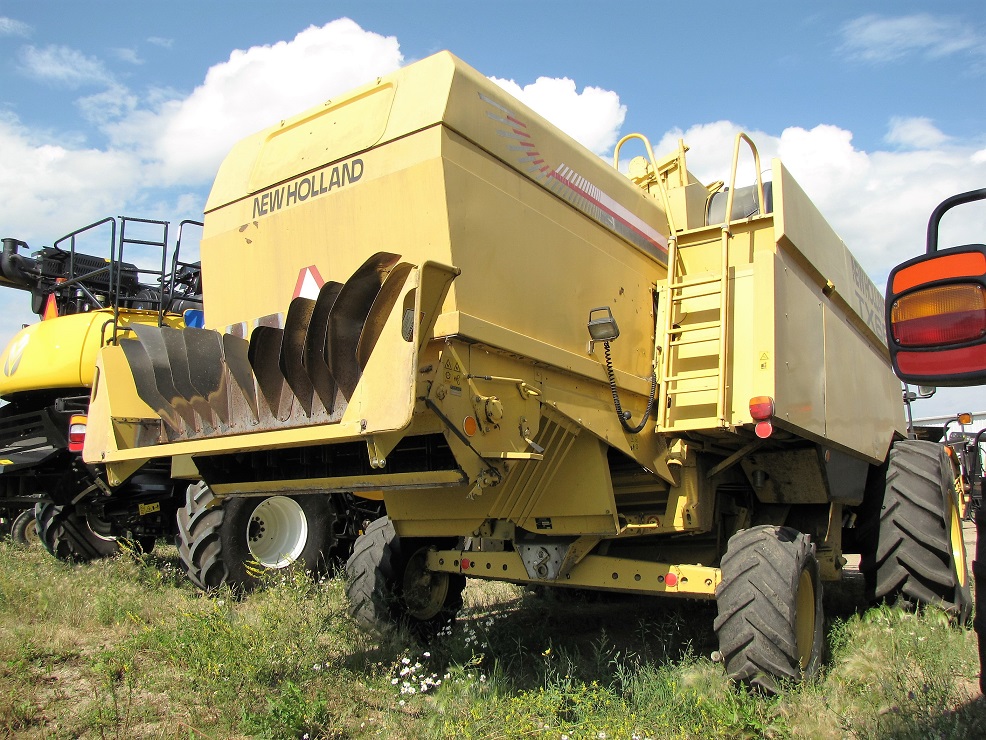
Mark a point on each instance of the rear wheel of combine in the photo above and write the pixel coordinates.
(25, 529)
(918, 554)
(389, 584)
(70, 536)
(234, 541)
(770, 623)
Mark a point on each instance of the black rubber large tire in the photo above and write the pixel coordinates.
(25, 529)
(916, 554)
(770, 623)
(213, 537)
(380, 575)
(68, 536)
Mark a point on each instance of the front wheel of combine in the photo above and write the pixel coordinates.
(235, 541)
(69, 536)
(770, 622)
(918, 554)
(24, 530)
(389, 584)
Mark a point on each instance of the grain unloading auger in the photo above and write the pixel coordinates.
(734, 436)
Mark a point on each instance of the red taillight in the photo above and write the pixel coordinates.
(949, 314)
(762, 411)
(77, 432)
(956, 361)
(761, 408)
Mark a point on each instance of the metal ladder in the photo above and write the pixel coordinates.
(695, 357)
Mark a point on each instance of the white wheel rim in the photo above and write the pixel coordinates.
(277, 532)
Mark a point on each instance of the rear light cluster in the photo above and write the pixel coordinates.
(936, 317)
(762, 412)
(941, 315)
(77, 432)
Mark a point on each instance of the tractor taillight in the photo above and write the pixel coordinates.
(761, 408)
(941, 315)
(762, 411)
(77, 432)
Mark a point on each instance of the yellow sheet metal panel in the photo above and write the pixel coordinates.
(57, 353)
(803, 231)
(800, 368)
(862, 400)
(746, 360)
(310, 206)
(541, 270)
(253, 264)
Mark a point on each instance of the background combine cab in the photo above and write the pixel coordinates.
(85, 301)
(551, 372)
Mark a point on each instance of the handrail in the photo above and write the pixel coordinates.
(653, 161)
(946, 205)
(724, 267)
(732, 177)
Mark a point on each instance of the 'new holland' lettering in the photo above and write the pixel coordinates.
(307, 187)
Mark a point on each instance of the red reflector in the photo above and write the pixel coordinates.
(466, 563)
(671, 579)
(764, 429)
(77, 433)
(761, 408)
(943, 363)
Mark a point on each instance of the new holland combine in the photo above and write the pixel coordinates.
(552, 373)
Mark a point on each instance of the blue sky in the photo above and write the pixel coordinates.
(111, 108)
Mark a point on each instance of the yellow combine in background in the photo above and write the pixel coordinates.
(84, 302)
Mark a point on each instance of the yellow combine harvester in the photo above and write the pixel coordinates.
(85, 301)
(552, 373)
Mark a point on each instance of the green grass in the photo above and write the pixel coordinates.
(125, 648)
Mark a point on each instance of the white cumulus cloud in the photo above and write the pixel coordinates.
(592, 117)
(48, 189)
(188, 137)
(916, 133)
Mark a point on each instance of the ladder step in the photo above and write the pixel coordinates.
(716, 239)
(143, 242)
(683, 391)
(717, 290)
(692, 375)
(695, 281)
(696, 327)
(686, 342)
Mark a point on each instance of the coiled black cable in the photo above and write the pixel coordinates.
(624, 416)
